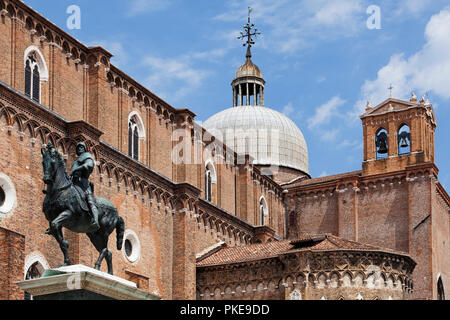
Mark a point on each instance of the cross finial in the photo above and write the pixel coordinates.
(390, 90)
(248, 28)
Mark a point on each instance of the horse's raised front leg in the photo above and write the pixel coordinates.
(56, 230)
(100, 258)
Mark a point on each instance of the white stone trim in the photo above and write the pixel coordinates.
(135, 245)
(43, 70)
(10, 195)
(209, 163)
(31, 259)
(139, 122)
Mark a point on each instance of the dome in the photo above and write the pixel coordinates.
(248, 69)
(271, 138)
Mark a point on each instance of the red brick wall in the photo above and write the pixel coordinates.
(441, 246)
(12, 260)
(392, 211)
(383, 215)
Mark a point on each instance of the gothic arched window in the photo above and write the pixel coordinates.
(382, 144)
(133, 139)
(404, 140)
(210, 179)
(32, 78)
(440, 287)
(208, 184)
(263, 210)
(136, 132)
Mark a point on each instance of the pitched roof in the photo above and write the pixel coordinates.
(326, 242)
(310, 182)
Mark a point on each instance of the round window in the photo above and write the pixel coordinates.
(8, 199)
(2, 197)
(128, 248)
(131, 246)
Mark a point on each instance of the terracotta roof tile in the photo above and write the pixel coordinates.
(326, 242)
(314, 181)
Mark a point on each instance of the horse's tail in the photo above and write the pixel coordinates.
(120, 230)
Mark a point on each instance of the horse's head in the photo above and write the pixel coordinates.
(49, 162)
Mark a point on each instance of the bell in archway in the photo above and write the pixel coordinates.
(404, 143)
(383, 147)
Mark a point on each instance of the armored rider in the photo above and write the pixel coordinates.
(81, 170)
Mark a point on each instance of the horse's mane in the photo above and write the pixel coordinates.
(60, 161)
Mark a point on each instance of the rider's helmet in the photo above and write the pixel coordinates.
(82, 144)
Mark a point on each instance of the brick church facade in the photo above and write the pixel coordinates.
(378, 233)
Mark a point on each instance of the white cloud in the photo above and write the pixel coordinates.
(174, 78)
(321, 79)
(323, 174)
(137, 7)
(116, 48)
(329, 135)
(350, 145)
(288, 109)
(289, 25)
(414, 7)
(325, 112)
(426, 70)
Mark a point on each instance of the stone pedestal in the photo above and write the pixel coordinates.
(83, 283)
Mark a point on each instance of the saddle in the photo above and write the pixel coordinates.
(81, 198)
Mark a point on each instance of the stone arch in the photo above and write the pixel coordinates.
(11, 10)
(74, 52)
(49, 36)
(206, 294)
(104, 61)
(132, 92)
(381, 143)
(39, 59)
(29, 24)
(83, 58)
(110, 77)
(118, 82)
(334, 279)
(347, 279)
(66, 47)
(139, 122)
(58, 40)
(19, 119)
(440, 289)
(263, 210)
(322, 278)
(34, 257)
(139, 96)
(39, 30)
(404, 139)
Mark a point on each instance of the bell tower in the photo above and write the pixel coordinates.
(398, 134)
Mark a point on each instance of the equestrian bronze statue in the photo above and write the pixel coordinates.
(70, 203)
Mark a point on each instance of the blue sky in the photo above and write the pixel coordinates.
(320, 60)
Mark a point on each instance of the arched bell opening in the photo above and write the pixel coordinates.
(404, 140)
(382, 144)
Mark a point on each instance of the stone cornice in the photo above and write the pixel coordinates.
(32, 108)
(145, 172)
(49, 25)
(226, 216)
(362, 180)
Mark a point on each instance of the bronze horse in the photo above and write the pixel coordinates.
(64, 206)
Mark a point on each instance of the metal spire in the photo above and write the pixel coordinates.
(249, 33)
(390, 89)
